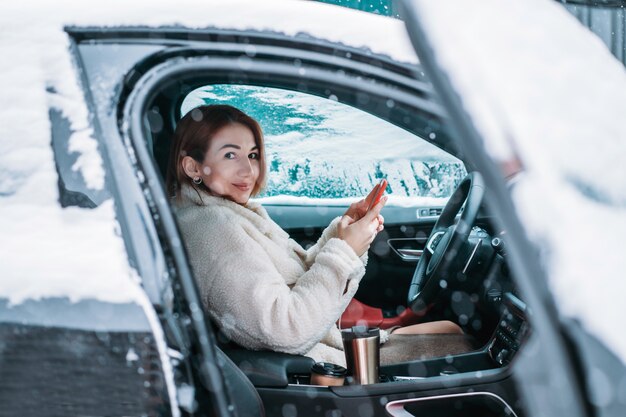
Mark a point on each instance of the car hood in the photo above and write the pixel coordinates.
(546, 95)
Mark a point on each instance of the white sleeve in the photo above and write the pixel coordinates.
(328, 233)
(249, 298)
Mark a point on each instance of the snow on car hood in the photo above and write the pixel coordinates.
(541, 86)
(47, 251)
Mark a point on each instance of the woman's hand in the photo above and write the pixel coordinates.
(359, 209)
(359, 233)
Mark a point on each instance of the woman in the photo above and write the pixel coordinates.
(262, 288)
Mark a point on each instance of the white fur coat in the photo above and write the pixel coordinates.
(262, 287)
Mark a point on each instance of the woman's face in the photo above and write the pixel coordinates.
(231, 165)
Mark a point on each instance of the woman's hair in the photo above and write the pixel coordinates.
(193, 136)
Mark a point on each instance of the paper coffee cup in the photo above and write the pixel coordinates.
(329, 374)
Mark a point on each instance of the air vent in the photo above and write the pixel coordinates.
(429, 212)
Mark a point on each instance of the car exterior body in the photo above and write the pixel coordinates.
(99, 311)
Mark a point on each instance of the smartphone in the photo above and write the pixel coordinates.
(378, 194)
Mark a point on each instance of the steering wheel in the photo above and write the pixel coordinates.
(447, 246)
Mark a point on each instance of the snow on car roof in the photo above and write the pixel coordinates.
(541, 86)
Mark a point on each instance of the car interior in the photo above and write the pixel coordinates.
(479, 296)
(433, 261)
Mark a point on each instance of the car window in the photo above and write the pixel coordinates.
(323, 152)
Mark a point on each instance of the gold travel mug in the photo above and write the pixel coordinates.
(362, 349)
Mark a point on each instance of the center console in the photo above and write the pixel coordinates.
(509, 335)
(512, 330)
(272, 369)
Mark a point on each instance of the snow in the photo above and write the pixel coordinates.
(542, 88)
(397, 201)
(47, 251)
(324, 121)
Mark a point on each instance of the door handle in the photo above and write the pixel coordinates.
(410, 254)
(408, 249)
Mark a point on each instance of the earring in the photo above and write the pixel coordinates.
(197, 180)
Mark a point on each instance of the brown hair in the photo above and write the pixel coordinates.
(193, 136)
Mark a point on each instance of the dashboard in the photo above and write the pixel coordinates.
(511, 332)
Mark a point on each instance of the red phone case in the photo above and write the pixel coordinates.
(380, 190)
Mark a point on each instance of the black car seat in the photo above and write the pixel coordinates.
(262, 367)
(242, 392)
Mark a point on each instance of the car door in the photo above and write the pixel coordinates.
(482, 96)
(105, 58)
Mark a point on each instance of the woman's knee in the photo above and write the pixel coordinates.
(433, 327)
(449, 327)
